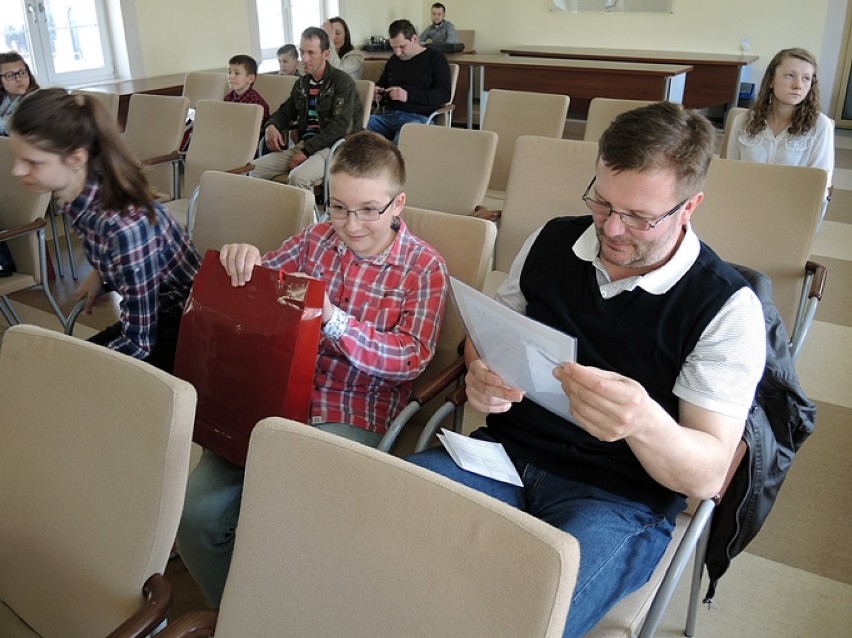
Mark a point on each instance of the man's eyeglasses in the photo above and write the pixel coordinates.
(11, 75)
(601, 211)
(338, 212)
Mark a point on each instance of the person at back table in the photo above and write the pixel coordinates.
(385, 297)
(414, 83)
(441, 30)
(785, 126)
(325, 105)
(670, 347)
(242, 72)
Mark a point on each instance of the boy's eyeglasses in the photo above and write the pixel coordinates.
(338, 212)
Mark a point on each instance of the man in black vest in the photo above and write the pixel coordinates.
(670, 347)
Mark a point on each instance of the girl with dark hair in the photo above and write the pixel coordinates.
(70, 146)
(785, 125)
(343, 56)
(16, 80)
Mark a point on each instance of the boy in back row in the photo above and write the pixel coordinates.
(242, 73)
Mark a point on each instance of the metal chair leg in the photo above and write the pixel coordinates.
(67, 227)
(51, 216)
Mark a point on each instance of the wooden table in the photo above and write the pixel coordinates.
(714, 79)
(581, 80)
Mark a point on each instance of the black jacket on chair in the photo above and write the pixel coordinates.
(780, 420)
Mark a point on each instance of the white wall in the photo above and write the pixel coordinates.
(181, 35)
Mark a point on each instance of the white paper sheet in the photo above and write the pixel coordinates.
(521, 350)
(486, 458)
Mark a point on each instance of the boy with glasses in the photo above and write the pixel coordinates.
(385, 294)
(670, 347)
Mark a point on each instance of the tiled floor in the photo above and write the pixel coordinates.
(795, 579)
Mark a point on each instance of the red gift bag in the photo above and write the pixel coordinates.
(250, 352)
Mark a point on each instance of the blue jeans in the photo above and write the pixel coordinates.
(390, 123)
(621, 541)
(211, 510)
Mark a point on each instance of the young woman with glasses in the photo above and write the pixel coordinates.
(16, 80)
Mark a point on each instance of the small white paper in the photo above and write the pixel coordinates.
(486, 458)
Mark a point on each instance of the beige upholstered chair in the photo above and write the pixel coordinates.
(22, 222)
(109, 100)
(547, 180)
(275, 89)
(730, 116)
(764, 216)
(224, 139)
(205, 85)
(338, 553)
(443, 116)
(602, 111)
(372, 69)
(447, 169)
(236, 208)
(511, 114)
(154, 129)
(468, 38)
(467, 245)
(91, 486)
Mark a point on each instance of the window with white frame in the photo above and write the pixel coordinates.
(64, 41)
(282, 21)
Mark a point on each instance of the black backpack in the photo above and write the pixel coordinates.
(7, 264)
(780, 420)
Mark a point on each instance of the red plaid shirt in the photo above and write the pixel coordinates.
(250, 97)
(395, 302)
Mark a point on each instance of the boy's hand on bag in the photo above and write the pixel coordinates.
(239, 261)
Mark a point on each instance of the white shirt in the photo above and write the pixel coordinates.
(815, 148)
(722, 370)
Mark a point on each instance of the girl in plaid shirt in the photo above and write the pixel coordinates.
(69, 145)
(385, 294)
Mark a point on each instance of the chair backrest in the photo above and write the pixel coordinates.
(109, 100)
(91, 489)
(19, 206)
(467, 246)
(763, 216)
(274, 88)
(514, 113)
(447, 169)
(445, 117)
(155, 124)
(224, 138)
(547, 179)
(602, 111)
(366, 89)
(468, 38)
(205, 85)
(237, 208)
(305, 574)
(730, 116)
(372, 69)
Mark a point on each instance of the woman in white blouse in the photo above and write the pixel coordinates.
(785, 125)
(343, 56)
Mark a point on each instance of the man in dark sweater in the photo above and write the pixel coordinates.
(414, 82)
(670, 347)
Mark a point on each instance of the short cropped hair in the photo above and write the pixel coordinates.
(287, 49)
(402, 26)
(247, 61)
(438, 5)
(368, 155)
(661, 136)
(315, 32)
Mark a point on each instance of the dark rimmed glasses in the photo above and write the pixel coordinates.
(339, 212)
(601, 211)
(20, 73)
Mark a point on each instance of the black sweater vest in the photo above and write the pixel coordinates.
(642, 336)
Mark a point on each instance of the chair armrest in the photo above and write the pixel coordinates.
(158, 601)
(819, 273)
(429, 391)
(483, 213)
(195, 624)
(22, 231)
(175, 156)
(242, 170)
